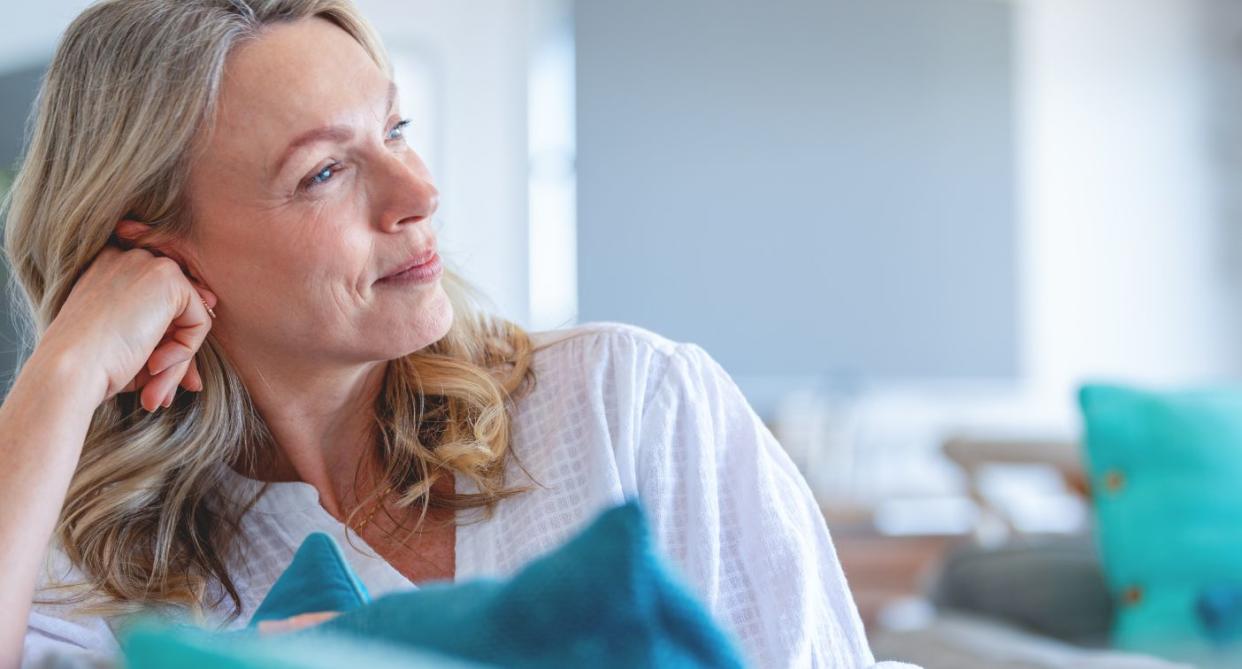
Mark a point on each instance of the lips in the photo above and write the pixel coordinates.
(420, 259)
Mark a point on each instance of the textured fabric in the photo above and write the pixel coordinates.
(603, 600)
(318, 579)
(1164, 470)
(151, 646)
(617, 411)
(1219, 608)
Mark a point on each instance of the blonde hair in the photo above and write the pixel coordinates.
(128, 97)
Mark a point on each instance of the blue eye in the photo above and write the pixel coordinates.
(322, 176)
(399, 129)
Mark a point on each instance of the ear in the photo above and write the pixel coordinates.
(133, 234)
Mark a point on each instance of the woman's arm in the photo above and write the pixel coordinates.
(729, 505)
(132, 323)
(43, 423)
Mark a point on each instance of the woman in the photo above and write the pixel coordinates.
(242, 334)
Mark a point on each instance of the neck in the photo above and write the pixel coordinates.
(321, 418)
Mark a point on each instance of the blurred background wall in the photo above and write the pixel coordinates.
(897, 223)
(807, 187)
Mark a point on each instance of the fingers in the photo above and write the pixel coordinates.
(151, 399)
(154, 394)
(192, 381)
(170, 361)
(172, 352)
(182, 374)
(137, 382)
(176, 358)
(300, 621)
(171, 364)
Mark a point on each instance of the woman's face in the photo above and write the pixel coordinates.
(306, 195)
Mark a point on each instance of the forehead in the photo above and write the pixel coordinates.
(293, 77)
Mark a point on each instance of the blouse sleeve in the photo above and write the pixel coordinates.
(728, 505)
(63, 644)
(57, 635)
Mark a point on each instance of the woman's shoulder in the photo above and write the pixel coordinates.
(615, 346)
(621, 365)
(602, 360)
(609, 333)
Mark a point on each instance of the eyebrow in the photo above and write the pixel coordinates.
(335, 133)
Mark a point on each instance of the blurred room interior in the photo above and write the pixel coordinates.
(911, 230)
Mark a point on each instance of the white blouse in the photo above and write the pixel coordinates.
(617, 411)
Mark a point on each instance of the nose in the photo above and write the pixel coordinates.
(408, 196)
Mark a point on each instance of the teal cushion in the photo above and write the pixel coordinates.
(603, 599)
(1166, 474)
(1220, 609)
(318, 579)
(151, 645)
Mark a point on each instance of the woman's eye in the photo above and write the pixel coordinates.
(398, 131)
(322, 176)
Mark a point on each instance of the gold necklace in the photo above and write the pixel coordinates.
(378, 503)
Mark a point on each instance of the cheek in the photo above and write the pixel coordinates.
(306, 268)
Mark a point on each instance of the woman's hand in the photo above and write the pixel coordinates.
(136, 320)
(300, 621)
(132, 321)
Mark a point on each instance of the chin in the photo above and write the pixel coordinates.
(432, 325)
(419, 328)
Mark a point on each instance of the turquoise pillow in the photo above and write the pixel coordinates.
(1166, 475)
(318, 579)
(151, 645)
(603, 599)
(1220, 609)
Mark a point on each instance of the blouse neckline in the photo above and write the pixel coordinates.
(300, 513)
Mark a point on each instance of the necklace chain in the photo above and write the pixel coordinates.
(379, 502)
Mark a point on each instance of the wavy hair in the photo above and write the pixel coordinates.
(130, 94)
